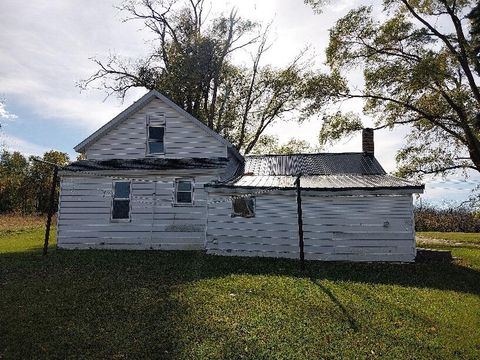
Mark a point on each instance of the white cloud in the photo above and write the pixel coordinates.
(46, 50)
(4, 113)
(13, 143)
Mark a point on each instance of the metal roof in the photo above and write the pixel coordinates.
(147, 164)
(320, 182)
(324, 171)
(313, 164)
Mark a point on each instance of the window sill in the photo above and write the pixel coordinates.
(183, 205)
(242, 216)
(120, 220)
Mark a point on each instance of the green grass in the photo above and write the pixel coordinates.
(187, 305)
(472, 238)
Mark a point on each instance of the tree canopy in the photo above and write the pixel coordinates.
(25, 184)
(191, 63)
(420, 69)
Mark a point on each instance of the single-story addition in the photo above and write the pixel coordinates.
(155, 177)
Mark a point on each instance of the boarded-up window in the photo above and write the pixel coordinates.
(183, 191)
(121, 200)
(243, 206)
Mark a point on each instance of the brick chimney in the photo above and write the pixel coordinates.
(368, 146)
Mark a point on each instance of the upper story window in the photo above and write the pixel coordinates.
(121, 200)
(156, 136)
(184, 192)
(155, 133)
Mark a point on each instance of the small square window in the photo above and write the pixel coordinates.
(184, 192)
(243, 207)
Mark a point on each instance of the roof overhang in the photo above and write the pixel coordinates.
(147, 166)
(352, 191)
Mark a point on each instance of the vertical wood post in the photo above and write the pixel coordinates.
(300, 221)
(50, 209)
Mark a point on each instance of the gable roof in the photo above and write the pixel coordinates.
(313, 164)
(137, 105)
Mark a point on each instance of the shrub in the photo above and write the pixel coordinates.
(450, 220)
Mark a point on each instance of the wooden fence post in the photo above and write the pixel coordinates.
(51, 204)
(300, 221)
(50, 209)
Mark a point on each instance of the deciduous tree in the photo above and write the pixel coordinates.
(420, 64)
(191, 63)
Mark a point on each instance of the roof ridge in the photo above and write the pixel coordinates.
(307, 154)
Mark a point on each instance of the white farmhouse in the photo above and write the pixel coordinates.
(157, 178)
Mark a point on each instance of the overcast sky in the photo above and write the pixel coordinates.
(45, 49)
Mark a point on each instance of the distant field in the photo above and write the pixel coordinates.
(472, 238)
(9, 223)
(187, 305)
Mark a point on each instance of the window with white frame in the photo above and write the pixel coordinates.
(155, 142)
(121, 200)
(243, 206)
(184, 191)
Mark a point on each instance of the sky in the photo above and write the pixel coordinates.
(47, 46)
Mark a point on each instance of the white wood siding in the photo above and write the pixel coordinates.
(183, 139)
(84, 218)
(357, 228)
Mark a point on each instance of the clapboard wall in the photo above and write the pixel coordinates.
(183, 139)
(85, 207)
(337, 228)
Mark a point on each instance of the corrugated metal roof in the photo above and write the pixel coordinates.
(327, 171)
(313, 164)
(320, 182)
(147, 164)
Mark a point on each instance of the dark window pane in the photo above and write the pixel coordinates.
(156, 133)
(121, 209)
(184, 185)
(184, 197)
(155, 147)
(122, 189)
(244, 207)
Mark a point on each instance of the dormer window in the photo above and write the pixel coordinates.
(155, 139)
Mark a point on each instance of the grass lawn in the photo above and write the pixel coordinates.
(187, 305)
(472, 238)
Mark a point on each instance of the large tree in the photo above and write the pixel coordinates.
(191, 63)
(474, 18)
(419, 65)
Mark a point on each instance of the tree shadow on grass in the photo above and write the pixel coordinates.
(105, 304)
(195, 265)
